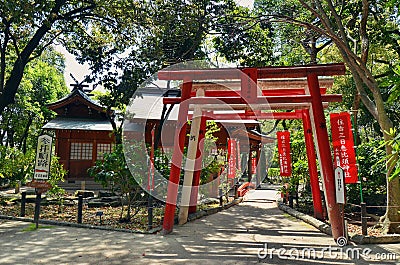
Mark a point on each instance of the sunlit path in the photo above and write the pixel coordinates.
(237, 235)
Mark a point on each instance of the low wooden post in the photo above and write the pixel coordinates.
(220, 195)
(150, 211)
(364, 219)
(80, 207)
(236, 191)
(83, 185)
(23, 203)
(37, 209)
(290, 199)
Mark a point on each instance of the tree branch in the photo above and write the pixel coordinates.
(323, 46)
(40, 51)
(3, 47)
(15, 44)
(338, 20)
(73, 12)
(363, 32)
(11, 86)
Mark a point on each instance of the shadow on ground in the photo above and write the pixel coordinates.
(250, 233)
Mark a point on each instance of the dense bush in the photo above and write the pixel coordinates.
(372, 172)
(15, 166)
(114, 174)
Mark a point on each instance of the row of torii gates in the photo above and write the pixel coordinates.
(308, 103)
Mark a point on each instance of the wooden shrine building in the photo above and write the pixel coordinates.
(83, 133)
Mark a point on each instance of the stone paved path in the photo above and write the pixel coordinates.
(253, 232)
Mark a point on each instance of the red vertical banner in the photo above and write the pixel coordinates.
(232, 158)
(285, 160)
(254, 165)
(343, 146)
(150, 180)
(239, 161)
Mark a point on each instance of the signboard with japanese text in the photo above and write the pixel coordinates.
(343, 146)
(339, 185)
(43, 158)
(232, 153)
(285, 161)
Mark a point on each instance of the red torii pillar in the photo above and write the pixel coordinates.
(312, 167)
(179, 142)
(324, 155)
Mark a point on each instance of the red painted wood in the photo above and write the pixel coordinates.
(276, 99)
(268, 92)
(312, 166)
(259, 100)
(325, 156)
(258, 116)
(180, 135)
(264, 72)
(249, 85)
(301, 71)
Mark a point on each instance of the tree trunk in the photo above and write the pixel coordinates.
(10, 137)
(24, 137)
(14, 80)
(391, 217)
(363, 79)
(117, 130)
(122, 208)
(128, 213)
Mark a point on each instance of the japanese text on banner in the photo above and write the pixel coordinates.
(285, 161)
(343, 146)
(232, 149)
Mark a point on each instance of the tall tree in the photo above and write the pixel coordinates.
(28, 27)
(259, 42)
(172, 32)
(246, 44)
(22, 121)
(43, 82)
(350, 26)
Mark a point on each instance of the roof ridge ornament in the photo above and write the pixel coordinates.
(80, 85)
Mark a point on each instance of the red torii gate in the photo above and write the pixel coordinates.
(310, 101)
(311, 156)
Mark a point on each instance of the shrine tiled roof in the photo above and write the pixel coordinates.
(61, 123)
(76, 93)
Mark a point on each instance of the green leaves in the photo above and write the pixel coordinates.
(393, 162)
(394, 84)
(113, 173)
(42, 83)
(241, 40)
(57, 174)
(15, 165)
